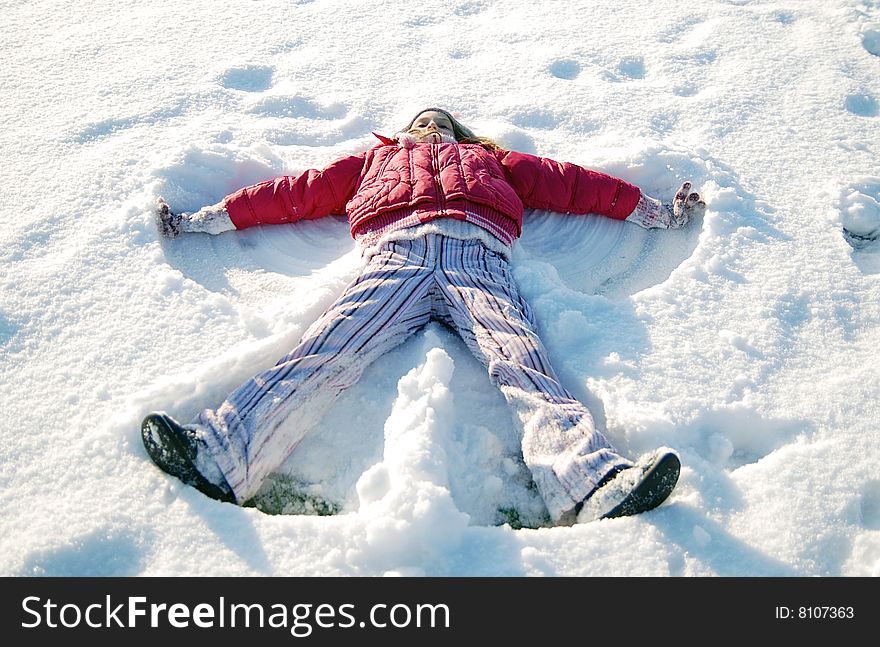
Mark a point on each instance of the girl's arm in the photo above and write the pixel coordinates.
(309, 195)
(542, 183)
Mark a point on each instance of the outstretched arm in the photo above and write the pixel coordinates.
(309, 195)
(543, 183)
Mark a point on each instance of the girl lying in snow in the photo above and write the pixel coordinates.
(436, 210)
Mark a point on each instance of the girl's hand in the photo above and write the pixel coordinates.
(685, 205)
(168, 222)
(213, 219)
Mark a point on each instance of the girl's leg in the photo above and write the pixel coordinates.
(262, 421)
(567, 456)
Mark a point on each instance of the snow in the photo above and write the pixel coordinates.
(747, 341)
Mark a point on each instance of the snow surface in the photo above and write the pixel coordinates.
(747, 341)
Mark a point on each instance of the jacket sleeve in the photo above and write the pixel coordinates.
(543, 183)
(309, 195)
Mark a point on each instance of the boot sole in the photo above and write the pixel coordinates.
(173, 456)
(654, 488)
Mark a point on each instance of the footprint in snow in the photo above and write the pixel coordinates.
(632, 67)
(7, 329)
(248, 78)
(565, 68)
(862, 104)
(870, 505)
(871, 39)
(628, 68)
(784, 17)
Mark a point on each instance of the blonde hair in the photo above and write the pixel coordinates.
(462, 134)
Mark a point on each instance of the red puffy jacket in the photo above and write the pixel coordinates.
(433, 181)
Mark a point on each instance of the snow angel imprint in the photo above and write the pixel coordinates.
(435, 210)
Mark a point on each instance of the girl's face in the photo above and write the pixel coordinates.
(432, 127)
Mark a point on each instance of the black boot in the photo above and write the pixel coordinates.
(635, 489)
(174, 450)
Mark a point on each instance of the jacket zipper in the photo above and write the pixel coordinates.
(435, 161)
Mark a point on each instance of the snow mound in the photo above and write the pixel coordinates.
(411, 518)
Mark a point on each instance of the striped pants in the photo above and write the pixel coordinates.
(402, 287)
